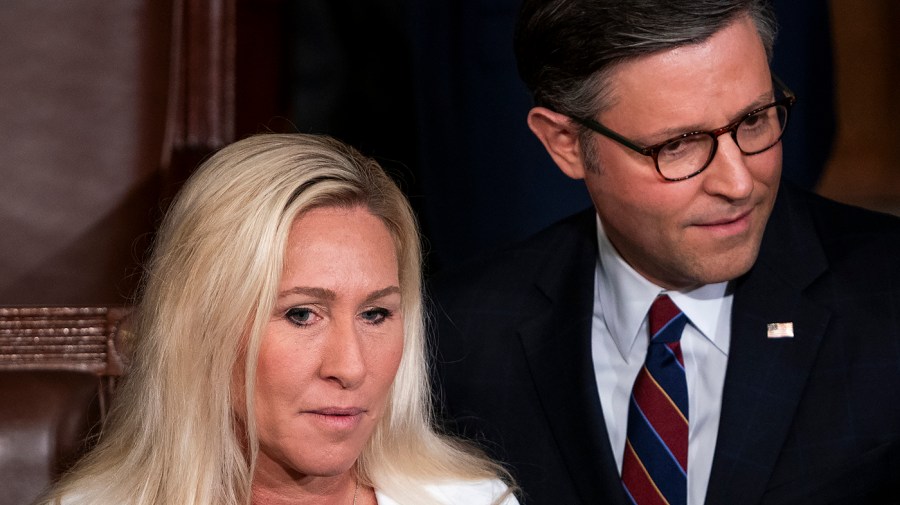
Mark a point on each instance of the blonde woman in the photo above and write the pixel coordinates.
(279, 347)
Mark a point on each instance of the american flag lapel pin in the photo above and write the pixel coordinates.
(780, 330)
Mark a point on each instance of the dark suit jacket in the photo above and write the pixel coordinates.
(812, 419)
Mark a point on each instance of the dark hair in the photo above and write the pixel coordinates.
(566, 48)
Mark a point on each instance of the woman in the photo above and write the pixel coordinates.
(279, 347)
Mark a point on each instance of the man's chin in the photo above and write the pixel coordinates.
(726, 267)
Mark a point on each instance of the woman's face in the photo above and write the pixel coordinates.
(331, 348)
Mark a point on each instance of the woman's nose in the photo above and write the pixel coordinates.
(343, 359)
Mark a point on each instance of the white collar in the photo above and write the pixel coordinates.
(625, 297)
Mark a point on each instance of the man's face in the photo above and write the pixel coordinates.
(708, 228)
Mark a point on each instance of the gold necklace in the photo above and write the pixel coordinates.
(356, 491)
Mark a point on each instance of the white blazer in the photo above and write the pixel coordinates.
(482, 492)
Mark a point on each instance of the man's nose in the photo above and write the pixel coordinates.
(728, 175)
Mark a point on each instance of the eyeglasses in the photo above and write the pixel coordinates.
(688, 154)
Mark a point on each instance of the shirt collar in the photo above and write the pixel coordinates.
(625, 297)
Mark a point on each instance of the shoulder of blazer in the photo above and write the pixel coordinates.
(809, 235)
(552, 270)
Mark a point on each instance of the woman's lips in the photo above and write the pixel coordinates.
(338, 418)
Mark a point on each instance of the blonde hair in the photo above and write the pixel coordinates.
(209, 289)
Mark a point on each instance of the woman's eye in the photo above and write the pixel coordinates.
(375, 316)
(300, 316)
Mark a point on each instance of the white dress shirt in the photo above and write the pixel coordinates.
(619, 340)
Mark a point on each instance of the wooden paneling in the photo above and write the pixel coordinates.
(104, 108)
(865, 165)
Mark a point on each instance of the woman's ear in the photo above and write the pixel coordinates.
(560, 137)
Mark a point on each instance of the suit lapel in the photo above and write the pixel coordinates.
(557, 344)
(766, 376)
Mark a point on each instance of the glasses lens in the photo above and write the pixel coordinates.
(762, 130)
(683, 157)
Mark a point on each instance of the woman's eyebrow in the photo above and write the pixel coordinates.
(381, 293)
(323, 293)
(327, 294)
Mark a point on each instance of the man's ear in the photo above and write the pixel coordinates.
(560, 138)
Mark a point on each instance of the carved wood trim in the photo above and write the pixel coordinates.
(201, 109)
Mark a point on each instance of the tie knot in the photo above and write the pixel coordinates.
(666, 321)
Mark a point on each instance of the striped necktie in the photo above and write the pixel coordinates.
(654, 468)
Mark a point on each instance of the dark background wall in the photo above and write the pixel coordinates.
(477, 175)
(864, 168)
(99, 121)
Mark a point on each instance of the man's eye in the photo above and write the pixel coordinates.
(299, 316)
(754, 121)
(686, 146)
(673, 148)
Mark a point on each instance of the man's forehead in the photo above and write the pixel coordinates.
(729, 70)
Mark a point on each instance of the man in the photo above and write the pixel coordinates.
(785, 376)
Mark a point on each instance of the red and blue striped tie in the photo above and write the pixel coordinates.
(654, 469)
